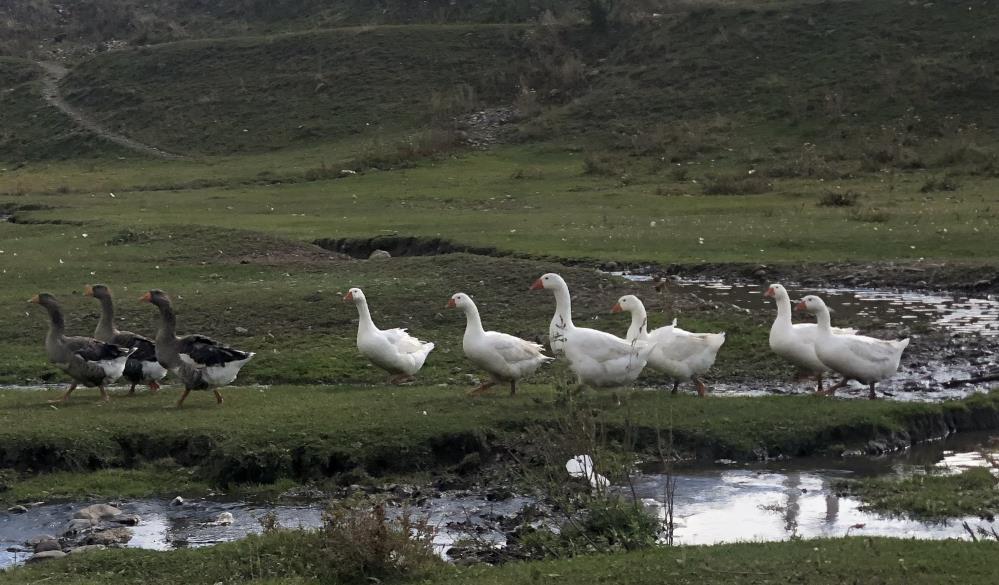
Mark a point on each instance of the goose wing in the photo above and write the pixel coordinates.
(402, 340)
(92, 350)
(869, 349)
(513, 349)
(145, 348)
(681, 345)
(205, 351)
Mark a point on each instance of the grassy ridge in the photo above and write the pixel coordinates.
(973, 491)
(291, 558)
(304, 432)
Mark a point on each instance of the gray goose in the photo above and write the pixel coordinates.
(199, 361)
(141, 367)
(87, 361)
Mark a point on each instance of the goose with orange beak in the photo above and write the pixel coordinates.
(597, 358)
(200, 362)
(506, 358)
(86, 360)
(393, 350)
(142, 366)
(680, 354)
(855, 357)
(795, 342)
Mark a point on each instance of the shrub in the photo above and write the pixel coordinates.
(361, 544)
(737, 185)
(839, 199)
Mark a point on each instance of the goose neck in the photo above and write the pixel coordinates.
(364, 316)
(105, 326)
(639, 328)
(473, 323)
(563, 305)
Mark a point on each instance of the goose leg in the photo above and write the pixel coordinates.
(104, 395)
(154, 387)
(819, 378)
(180, 401)
(481, 388)
(702, 390)
(872, 395)
(513, 387)
(131, 391)
(65, 396)
(676, 387)
(218, 396)
(832, 389)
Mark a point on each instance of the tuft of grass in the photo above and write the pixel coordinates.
(946, 183)
(870, 215)
(973, 492)
(839, 199)
(737, 185)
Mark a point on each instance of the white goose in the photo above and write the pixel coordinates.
(680, 354)
(392, 350)
(855, 357)
(598, 359)
(796, 342)
(506, 358)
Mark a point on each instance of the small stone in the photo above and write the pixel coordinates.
(44, 556)
(347, 173)
(126, 519)
(47, 545)
(225, 519)
(36, 539)
(242, 330)
(97, 512)
(379, 255)
(87, 548)
(109, 537)
(78, 525)
(178, 501)
(19, 509)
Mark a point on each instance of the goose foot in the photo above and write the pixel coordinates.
(218, 397)
(180, 401)
(105, 397)
(676, 387)
(154, 387)
(131, 391)
(65, 396)
(702, 390)
(831, 391)
(400, 379)
(872, 395)
(818, 378)
(480, 388)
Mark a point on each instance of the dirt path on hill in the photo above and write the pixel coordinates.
(54, 72)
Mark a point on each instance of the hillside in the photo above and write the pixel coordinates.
(891, 80)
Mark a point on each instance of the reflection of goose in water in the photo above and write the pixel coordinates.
(792, 508)
(832, 508)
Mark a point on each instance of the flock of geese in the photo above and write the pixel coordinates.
(597, 358)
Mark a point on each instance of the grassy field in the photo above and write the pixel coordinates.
(295, 558)
(932, 496)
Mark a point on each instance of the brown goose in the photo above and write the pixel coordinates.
(199, 361)
(141, 367)
(88, 361)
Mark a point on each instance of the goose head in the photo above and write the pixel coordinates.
(776, 291)
(627, 303)
(156, 297)
(354, 295)
(459, 301)
(44, 299)
(550, 281)
(812, 304)
(98, 291)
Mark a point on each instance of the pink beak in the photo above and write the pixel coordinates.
(537, 285)
(349, 296)
(769, 292)
(800, 306)
(616, 308)
(450, 304)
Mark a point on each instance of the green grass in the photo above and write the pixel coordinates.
(972, 492)
(263, 435)
(291, 558)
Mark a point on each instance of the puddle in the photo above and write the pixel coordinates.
(966, 331)
(163, 526)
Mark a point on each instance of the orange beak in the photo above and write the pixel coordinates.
(146, 298)
(537, 285)
(769, 293)
(88, 291)
(616, 308)
(349, 296)
(35, 300)
(800, 306)
(450, 304)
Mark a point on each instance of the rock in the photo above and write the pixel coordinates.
(87, 548)
(78, 525)
(379, 255)
(17, 509)
(46, 545)
(109, 537)
(225, 519)
(44, 556)
(242, 330)
(36, 539)
(97, 512)
(126, 519)
(178, 501)
(347, 173)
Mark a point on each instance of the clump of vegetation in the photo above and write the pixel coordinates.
(839, 199)
(737, 185)
(605, 524)
(946, 183)
(972, 492)
(361, 544)
(871, 215)
(600, 165)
